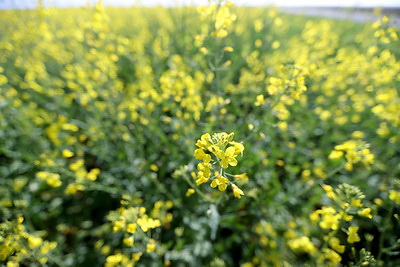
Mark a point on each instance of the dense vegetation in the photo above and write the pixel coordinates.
(215, 136)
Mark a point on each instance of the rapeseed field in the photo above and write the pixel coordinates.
(198, 136)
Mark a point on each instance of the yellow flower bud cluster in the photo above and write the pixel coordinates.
(17, 245)
(340, 216)
(291, 79)
(52, 179)
(127, 219)
(394, 196)
(348, 201)
(327, 217)
(219, 150)
(223, 18)
(383, 32)
(160, 211)
(130, 220)
(287, 86)
(135, 222)
(78, 167)
(352, 235)
(354, 151)
(267, 234)
(119, 259)
(73, 188)
(329, 256)
(302, 244)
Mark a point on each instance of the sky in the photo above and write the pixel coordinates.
(5, 4)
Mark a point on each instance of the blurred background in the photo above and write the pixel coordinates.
(354, 10)
(100, 110)
(5, 4)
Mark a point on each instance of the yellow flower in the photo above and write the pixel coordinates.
(66, 153)
(129, 241)
(147, 223)
(259, 100)
(131, 228)
(205, 169)
(54, 180)
(335, 154)
(365, 213)
(394, 196)
(239, 148)
(329, 191)
(92, 175)
(113, 259)
(329, 218)
(379, 201)
(216, 144)
(334, 243)
(154, 167)
(70, 127)
(352, 235)
(73, 188)
(190, 192)
(227, 64)
(19, 184)
(303, 244)
(228, 158)
(357, 135)
(76, 165)
(331, 255)
(205, 141)
(203, 50)
(355, 151)
(201, 179)
(242, 176)
(228, 49)
(221, 182)
(276, 44)
(136, 256)
(229, 3)
(237, 192)
(12, 264)
(345, 216)
(34, 241)
(201, 155)
(48, 246)
(356, 203)
(151, 246)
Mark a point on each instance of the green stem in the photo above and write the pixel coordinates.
(162, 188)
(383, 233)
(267, 121)
(111, 190)
(198, 191)
(234, 215)
(334, 171)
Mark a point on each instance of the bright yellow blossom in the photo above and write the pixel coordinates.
(352, 235)
(228, 158)
(365, 213)
(66, 153)
(394, 196)
(151, 246)
(237, 192)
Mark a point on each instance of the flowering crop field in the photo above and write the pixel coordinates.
(198, 136)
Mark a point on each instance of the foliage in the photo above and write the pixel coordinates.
(100, 110)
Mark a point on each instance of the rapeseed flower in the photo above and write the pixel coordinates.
(353, 237)
(221, 149)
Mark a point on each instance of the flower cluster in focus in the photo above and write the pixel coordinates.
(355, 151)
(217, 153)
